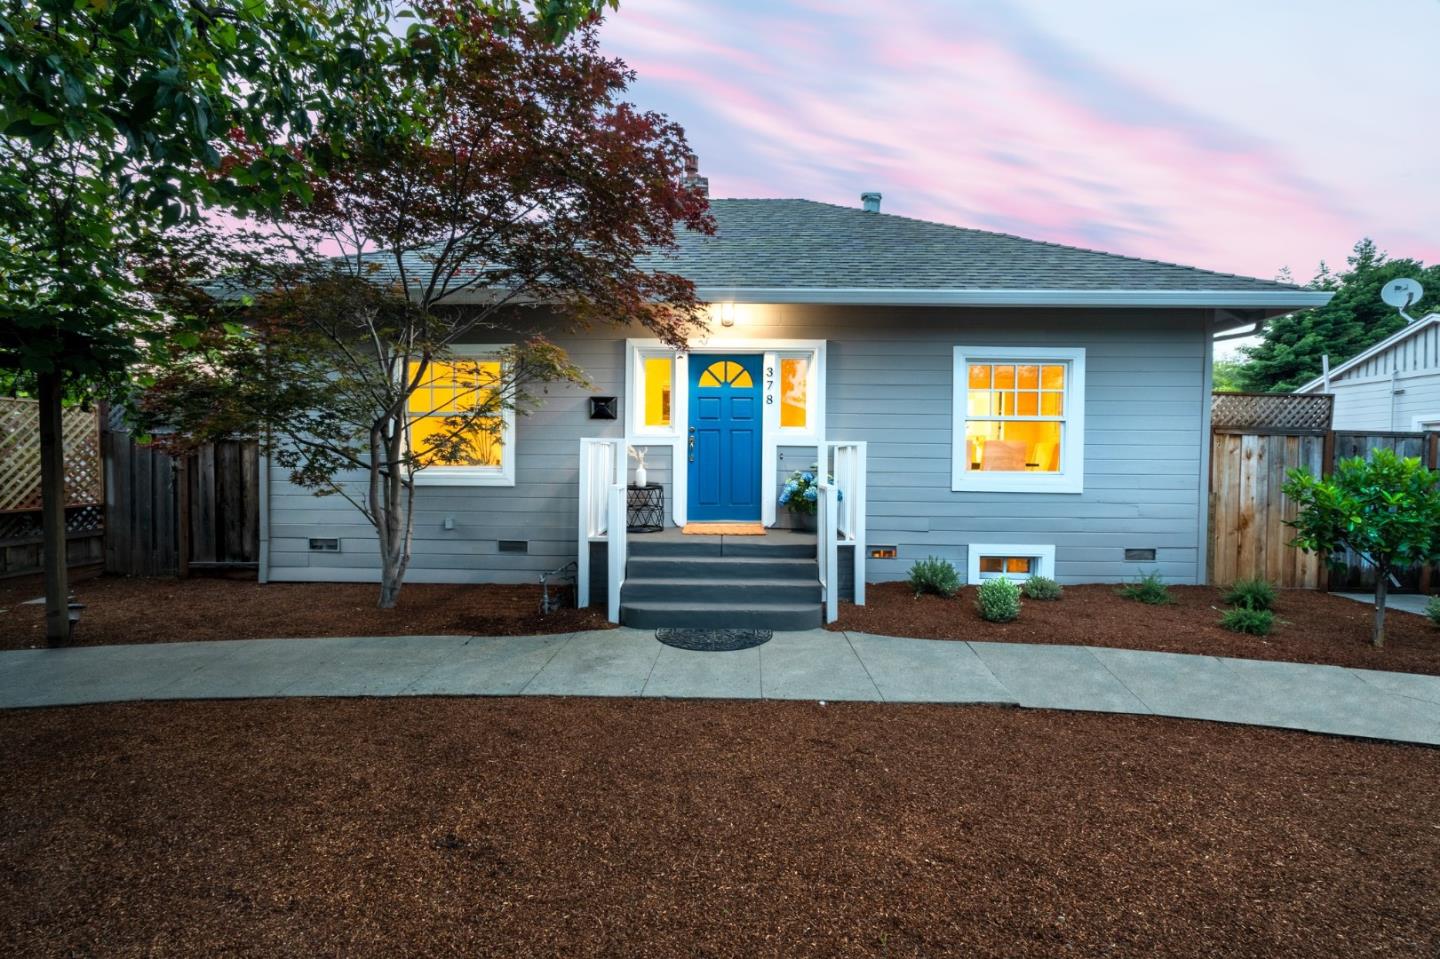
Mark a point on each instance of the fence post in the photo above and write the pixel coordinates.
(182, 527)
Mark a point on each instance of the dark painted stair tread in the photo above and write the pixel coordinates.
(722, 615)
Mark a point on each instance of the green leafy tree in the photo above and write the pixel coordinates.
(113, 120)
(1355, 319)
(1225, 376)
(1385, 509)
(527, 180)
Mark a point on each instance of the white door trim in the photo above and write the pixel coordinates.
(772, 436)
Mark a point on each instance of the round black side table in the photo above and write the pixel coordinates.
(645, 508)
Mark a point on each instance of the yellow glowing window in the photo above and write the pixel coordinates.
(1007, 565)
(794, 386)
(726, 373)
(1015, 417)
(440, 433)
(659, 379)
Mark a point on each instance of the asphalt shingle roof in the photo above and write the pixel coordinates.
(808, 244)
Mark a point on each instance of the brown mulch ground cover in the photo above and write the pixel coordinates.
(553, 827)
(1311, 627)
(133, 610)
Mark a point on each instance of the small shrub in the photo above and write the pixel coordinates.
(998, 600)
(935, 576)
(1243, 619)
(1251, 594)
(1432, 609)
(1041, 587)
(1149, 589)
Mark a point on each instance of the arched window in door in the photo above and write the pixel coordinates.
(726, 373)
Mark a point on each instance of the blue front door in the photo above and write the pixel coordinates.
(724, 437)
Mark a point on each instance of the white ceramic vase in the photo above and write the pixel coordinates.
(639, 476)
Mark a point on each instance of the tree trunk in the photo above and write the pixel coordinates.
(52, 506)
(1382, 584)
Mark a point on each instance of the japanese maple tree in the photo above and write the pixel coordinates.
(527, 189)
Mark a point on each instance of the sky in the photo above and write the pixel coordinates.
(1236, 136)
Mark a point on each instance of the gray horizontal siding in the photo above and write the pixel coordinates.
(1379, 404)
(889, 383)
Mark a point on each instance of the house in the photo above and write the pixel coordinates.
(1394, 386)
(1014, 406)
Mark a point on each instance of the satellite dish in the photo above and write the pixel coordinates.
(1401, 293)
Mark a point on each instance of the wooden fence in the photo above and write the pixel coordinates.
(20, 531)
(167, 515)
(1248, 535)
(1253, 446)
(1357, 574)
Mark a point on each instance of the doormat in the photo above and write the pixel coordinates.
(713, 640)
(723, 529)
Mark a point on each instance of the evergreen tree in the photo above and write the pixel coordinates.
(1290, 351)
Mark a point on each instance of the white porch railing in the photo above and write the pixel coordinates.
(602, 518)
(840, 518)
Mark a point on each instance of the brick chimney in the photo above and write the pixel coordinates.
(871, 202)
(692, 180)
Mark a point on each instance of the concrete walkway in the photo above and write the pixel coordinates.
(1403, 602)
(811, 665)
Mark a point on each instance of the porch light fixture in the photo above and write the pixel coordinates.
(726, 313)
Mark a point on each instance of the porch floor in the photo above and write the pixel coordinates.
(772, 537)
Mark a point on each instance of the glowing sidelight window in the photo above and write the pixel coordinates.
(794, 391)
(659, 376)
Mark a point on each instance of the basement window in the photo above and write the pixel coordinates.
(324, 545)
(1012, 561)
(882, 552)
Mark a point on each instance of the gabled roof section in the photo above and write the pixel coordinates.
(806, 251)
(1394, 339)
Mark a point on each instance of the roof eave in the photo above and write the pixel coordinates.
(1279, 301)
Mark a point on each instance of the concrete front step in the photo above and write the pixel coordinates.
(788, 547)
(779, 616)
(733, 592)
(721, 568)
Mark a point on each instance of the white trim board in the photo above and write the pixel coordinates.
(882, 296)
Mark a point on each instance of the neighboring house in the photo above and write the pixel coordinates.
(1394, 386)
(1011, 405)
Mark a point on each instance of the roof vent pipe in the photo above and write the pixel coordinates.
(871, 202)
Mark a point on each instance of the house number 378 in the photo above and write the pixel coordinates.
(769, 386)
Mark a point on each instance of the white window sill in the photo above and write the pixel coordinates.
(972, 482)
(459, 476)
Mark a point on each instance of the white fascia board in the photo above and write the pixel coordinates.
(1403, 333)
(877, 296)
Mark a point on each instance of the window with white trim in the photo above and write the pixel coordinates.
(480, 452)
(1019, 419)
(1012, 561)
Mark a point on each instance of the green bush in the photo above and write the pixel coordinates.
(1251, 594)
(1243, 619)
(1147, 589)
(998, 600)
(1432, 609)
(1041, 587)
(935, 576)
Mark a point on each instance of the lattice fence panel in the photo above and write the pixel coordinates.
(1272, 412)
(20, 456)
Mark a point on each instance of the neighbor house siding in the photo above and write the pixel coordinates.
(889, 384)
(1389, 390)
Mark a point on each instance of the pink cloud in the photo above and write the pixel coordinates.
(969, 117)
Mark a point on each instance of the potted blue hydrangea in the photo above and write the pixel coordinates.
(801, 495)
